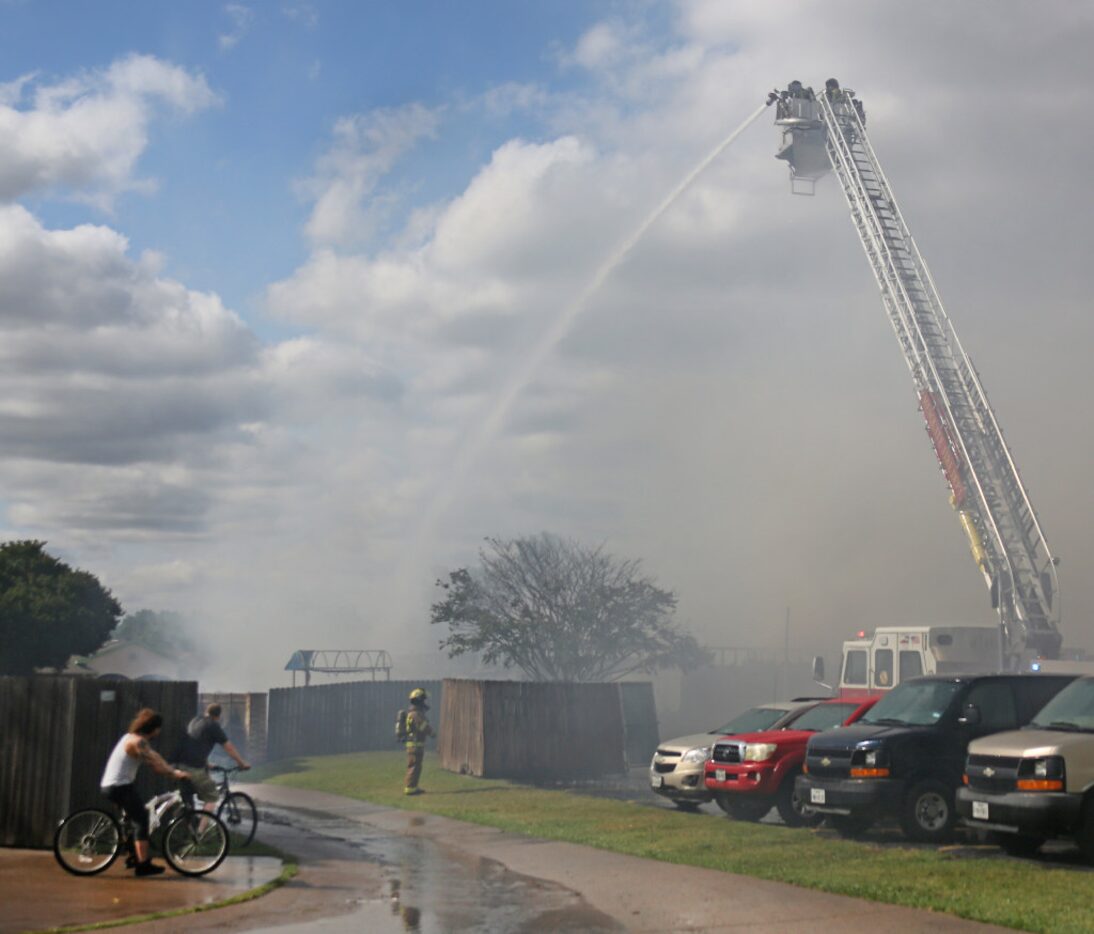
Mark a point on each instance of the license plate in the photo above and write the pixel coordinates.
(980, 810)
(719, 775)
(657, 781)
(816, 796)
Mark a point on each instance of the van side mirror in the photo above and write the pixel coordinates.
(970, 716)
(818, 668)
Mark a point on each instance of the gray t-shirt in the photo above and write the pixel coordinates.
(202, 734)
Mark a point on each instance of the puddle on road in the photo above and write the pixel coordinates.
(432, 888)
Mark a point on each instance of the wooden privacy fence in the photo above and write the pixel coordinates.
(354, 716)
(539, 730)
(55, 736)
(640, 728)
(243, 717)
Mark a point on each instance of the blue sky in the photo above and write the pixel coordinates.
(267, 268)
(225, 214)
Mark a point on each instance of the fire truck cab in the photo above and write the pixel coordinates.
(893, 654)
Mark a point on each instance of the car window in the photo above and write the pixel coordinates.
(914, 703)
(753, 720)
(824, 717)
(1072, 708)
(1036, 692)
(995, 699)
(911, 664)
(854, 668)
(883, 668)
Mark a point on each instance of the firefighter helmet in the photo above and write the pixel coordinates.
(418, 696)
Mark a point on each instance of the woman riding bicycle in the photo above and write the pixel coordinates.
(121, 772)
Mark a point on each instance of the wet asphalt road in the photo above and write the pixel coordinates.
(365, 868)
(436, 874)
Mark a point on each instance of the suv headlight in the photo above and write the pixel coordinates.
(1044, 774)
(698, 754)
(759, 752)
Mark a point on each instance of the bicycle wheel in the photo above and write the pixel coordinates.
(87, 842)
(239, 813)
(195, 843)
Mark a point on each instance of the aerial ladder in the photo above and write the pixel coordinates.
(826, 131)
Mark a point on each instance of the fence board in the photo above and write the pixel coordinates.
(324, 719)
(58, 733)
(640, 726)
(533, 730)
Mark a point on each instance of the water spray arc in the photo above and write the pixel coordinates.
(493, 419)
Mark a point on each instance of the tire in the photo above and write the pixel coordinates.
(1015, 844)
(87, 842)
(791, 807)
(747, 810)
(927, 814)
(195, 843)
(1084, 834)
(240, 816)
(849, 826)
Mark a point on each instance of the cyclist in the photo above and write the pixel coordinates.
(192, 756)
(120, 773)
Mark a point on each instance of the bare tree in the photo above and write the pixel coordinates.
(561, 611)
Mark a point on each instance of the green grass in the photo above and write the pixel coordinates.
(1021, 894)
(289, 869)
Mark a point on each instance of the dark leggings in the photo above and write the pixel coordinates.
(126, 797)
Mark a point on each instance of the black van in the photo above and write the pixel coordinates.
(905, 758)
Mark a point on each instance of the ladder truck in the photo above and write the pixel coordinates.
(826, 132)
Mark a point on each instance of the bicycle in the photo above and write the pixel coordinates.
(194, 842)
(236, 808)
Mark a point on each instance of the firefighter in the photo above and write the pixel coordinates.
(418, 731)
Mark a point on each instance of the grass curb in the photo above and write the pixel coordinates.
(289, 868)
(1033, 895)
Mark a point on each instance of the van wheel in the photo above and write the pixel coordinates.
(1015, 844)
(847, 825)
(927, 814)
(791, 807)
(1084, 835)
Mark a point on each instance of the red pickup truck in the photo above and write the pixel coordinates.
(751, 772)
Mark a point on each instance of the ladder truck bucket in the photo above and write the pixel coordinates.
(804, 137)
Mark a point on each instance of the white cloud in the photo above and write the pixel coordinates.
(242, 18)
(84, 135)
(364, 149)
(731, 404)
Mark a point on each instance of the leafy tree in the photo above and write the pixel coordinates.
(48, 611)
(561, 611)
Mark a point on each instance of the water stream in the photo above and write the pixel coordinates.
(450, 485)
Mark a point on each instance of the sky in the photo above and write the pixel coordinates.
(266, 270)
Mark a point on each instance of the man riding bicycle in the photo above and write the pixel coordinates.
(117, 783)
(202, 735)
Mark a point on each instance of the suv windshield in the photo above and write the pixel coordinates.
(1071, 709)
(824, 717)
(753, 720)
(916, 703)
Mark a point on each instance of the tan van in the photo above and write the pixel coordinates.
(1032, 784)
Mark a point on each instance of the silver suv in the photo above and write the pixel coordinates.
(676, 771)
